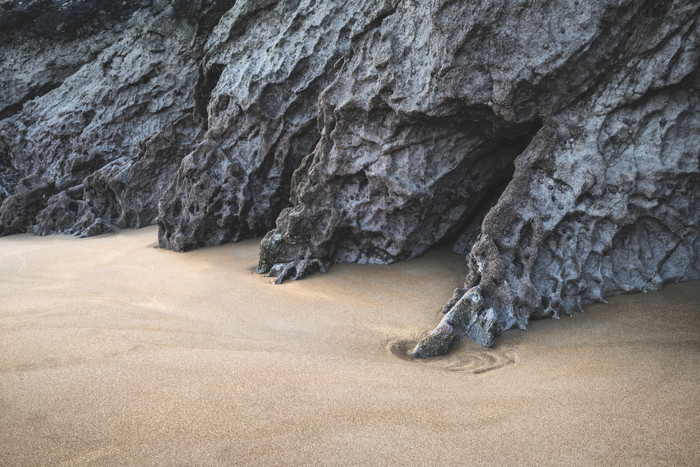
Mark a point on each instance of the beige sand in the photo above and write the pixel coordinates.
(113, 351)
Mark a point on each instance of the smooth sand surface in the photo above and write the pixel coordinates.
(115, 352)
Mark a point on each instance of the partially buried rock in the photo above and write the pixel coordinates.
(556, 147)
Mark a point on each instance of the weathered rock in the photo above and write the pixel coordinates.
(566, 233)
(265, 65)
(9, 177)
(69, 213)
(466, 316)
(31, 193)
(593, 103)
(125, 192)
(90, 92)
(43, 42)
(554, 143)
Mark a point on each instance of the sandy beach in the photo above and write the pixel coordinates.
(113, 351)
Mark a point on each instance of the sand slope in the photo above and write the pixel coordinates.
(113, 351)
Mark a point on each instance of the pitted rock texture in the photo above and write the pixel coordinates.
(9, 177)
(43, 42)
(22, 206)
(126, 191)
(87, 85)
(564, 233)
(555, 143)
(595, 105)
(266, 63)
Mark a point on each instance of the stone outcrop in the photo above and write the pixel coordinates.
(91, 91)
(591, 105)
(22, 207)
(553, 143)
(265, 65)
(9, 177)
(125, 191)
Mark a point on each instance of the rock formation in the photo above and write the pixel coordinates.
(265, 65)
(553, 143)
(91, 90)
(591, 106)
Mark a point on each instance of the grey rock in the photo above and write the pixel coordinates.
(91, 90)
(626, 220)
(554, 143)
(265, 65)
(28, 198)
(125, 192)
(467, 313)
(587, 113)
(43, 42)
(294, 270)
(9, 177)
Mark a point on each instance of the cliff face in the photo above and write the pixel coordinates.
(592, 106)
(555, 143)
(91, 90)
(264, 67)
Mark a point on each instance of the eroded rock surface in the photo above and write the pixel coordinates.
(554, 143)
(91, 91)
(593, 105)
(266, 64)
(22, 206)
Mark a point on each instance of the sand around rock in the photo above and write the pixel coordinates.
(115, 352)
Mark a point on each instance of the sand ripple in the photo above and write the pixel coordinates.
(468, 358)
